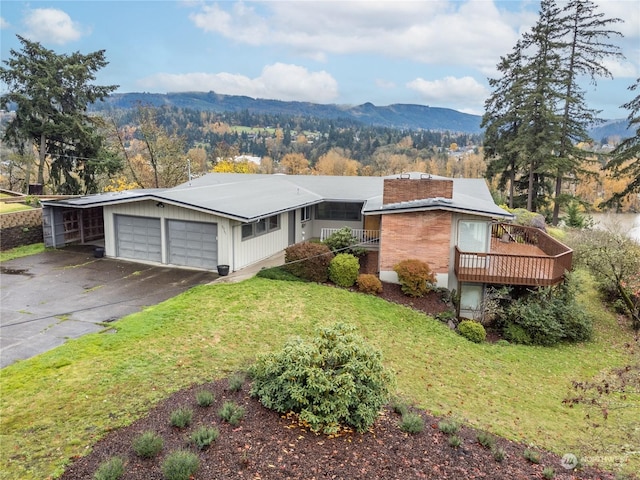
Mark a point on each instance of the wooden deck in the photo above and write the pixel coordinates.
(518, 256)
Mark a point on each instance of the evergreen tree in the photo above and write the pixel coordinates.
(583, 53)
(625, 160)
(52, 93)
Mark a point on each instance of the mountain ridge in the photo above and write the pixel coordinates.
(397, 115)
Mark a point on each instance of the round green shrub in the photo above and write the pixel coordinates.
(180, 465)
(111, 469)
(309, 261)
(335, 379)
(516, 334)
(472, 331)
(411, 423)
(415, 277)
(369, 283)
(343, 270)
(204, 436)
(148, 444)
(204, 398)
(344, 241)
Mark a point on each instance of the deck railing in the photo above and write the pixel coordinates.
(365, 237)
(519, 256)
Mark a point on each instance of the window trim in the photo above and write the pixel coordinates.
(305, 213)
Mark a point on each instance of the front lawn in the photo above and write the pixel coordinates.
(58, 404)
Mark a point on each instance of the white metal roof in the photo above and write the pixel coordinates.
(248, 197)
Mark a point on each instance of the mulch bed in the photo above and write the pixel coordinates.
(266, 445)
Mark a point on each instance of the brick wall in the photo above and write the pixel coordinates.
(406, 189)
(20, 228)
(421, 235)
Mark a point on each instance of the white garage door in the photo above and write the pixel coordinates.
(193, 244)
(138, 238)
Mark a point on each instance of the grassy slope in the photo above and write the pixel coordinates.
(55, 405)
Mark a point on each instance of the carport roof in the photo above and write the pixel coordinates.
(248, 197)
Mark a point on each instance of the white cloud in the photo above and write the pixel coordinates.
(621, 69)
(278, 81)
(462, 93)
(626, 10)
(474, 32)
(51, 25)
(4, 24)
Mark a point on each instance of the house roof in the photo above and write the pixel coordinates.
(249, 197)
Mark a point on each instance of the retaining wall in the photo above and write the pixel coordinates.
(20, 228)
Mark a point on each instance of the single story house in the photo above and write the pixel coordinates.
(240, 219)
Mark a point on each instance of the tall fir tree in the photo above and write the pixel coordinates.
(52, 93)
(625, 159)
(584, 49)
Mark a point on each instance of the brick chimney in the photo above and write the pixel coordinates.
(406, 189)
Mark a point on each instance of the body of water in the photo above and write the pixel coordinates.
(628, 223)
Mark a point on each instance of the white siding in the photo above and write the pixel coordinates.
(252, 250)
(149, 209)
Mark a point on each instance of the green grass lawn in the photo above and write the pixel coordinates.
(58, 404)
(13, 207)
(22, 251)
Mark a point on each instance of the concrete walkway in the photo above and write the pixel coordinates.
(252, 270)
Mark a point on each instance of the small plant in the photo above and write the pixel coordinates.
(148, 445)
(472, 331)
(399, 406)
(486, 439)
(204, 398)
(181, 417)
(531, 455)
(548, 473)
(411, 423)
(180, 465)
(231, 413)
(498, 454)
(236, 381)
(369, 283)
(415, 277)
(343, 270)
(111, 469)
(449, 426)
(503, 343)
(455, 441)
(204, 436)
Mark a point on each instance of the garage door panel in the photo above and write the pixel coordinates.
(193, 244)
(138, 238)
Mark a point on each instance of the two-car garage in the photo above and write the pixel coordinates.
(189, 244)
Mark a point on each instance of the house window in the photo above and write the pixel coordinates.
(305, 214)
(262, 226)
(473, 236)
(339, 211)
(470, 296)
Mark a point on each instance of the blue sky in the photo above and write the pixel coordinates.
(427, 52)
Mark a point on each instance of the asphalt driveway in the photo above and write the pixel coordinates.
(57, 295)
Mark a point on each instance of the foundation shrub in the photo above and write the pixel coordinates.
(343, 241)
(472, 331)
(343, 270)
(334, 379)
(369, 283)
(309, 261)
(415, 277)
